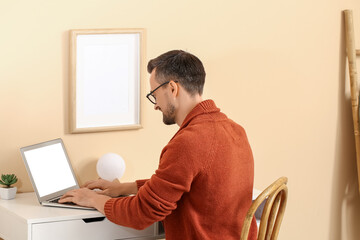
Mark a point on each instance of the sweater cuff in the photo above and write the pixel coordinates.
(108, 208)
(141, 182)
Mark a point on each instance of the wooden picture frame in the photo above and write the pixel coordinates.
(105, 79)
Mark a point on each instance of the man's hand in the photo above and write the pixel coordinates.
(112, 189)
(85, 197)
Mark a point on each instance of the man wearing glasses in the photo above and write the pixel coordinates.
(202, 188)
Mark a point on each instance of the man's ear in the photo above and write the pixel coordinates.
(174, 88)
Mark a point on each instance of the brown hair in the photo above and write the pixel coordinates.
(181, 66)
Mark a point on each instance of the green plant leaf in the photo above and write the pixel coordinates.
(13, 181)
(8, 179)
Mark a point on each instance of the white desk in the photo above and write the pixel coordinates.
(23, 218)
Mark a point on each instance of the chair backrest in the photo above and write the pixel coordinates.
(272, 215)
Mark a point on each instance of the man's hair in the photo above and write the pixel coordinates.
(179, 66)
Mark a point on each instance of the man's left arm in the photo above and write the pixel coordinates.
(159, 196)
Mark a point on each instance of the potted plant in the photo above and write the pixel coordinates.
(8, 192)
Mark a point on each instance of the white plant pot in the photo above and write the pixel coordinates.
(8, 193)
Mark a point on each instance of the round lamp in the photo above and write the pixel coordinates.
(110, 166)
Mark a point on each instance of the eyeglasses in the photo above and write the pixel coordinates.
(150, 95)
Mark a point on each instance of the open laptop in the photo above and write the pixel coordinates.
(50, 172)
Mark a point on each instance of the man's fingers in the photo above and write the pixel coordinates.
(68, 194)
(102, 192)
(95, 184)
(66, 199)
(86, 185)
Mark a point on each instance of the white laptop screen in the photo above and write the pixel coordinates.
(50, 169)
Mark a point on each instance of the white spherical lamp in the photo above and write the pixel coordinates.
(110, 166)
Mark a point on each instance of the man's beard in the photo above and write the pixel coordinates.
(169, 116)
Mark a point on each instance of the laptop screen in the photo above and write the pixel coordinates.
(49, 168)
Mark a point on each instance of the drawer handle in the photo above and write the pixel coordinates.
(95, 219)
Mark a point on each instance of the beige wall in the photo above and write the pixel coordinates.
(276, 67)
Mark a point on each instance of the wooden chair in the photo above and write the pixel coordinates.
(272, 215)
(352, 53)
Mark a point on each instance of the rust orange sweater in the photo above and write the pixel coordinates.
(202, 188)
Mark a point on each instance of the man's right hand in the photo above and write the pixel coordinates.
(112, 189)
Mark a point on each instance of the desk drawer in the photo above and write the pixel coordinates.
(87, 229)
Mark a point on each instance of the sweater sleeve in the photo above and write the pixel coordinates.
(158, 196)
(141, 182)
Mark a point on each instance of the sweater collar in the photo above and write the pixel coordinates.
(207, 106)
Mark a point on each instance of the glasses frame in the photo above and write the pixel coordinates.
(151, 93)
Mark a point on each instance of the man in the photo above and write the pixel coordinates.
(202, 188)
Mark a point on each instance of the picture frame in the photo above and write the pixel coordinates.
(106, 79)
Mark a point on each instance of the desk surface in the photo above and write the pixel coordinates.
(28, 208)
(36, 222)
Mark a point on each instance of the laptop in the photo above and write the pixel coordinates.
(50, 172)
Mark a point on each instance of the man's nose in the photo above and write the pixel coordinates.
(156, 107)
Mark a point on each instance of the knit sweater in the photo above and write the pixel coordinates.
(202, 188)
